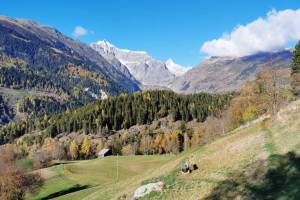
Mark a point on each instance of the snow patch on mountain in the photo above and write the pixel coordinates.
(176, 69)
(147, 70)
(106, 47)
(102, 94)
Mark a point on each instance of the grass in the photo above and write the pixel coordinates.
(26, 163)
(94, 175)
(241, 162)
(19, 93)
(16, 94)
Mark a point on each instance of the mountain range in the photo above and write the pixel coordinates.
(57, 72)
(43, 71)
(124, 70)
(148, 71)
(47, 48)
(215, 74)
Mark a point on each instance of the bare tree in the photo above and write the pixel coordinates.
(15, 181)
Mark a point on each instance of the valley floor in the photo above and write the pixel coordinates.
(224, 163)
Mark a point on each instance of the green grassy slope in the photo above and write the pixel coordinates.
(250, 162)
(100, 174)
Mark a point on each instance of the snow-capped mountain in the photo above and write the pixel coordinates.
(176, 69)
(147, 70)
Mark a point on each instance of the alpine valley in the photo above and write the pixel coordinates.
(47, 72)
(90, 120)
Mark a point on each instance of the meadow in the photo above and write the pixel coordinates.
(116, 177)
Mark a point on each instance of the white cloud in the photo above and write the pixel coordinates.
(272, 33)
(80, 31)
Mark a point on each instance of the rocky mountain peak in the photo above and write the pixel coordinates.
(150, 72)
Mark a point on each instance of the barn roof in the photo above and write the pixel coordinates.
(103, 151)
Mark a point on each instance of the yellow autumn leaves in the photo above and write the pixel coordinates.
(85, 149)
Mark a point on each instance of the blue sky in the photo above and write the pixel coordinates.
(164, 28)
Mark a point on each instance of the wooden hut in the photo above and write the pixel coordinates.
(104, 153)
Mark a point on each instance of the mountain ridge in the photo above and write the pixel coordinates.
(17, 33)
(151, 73)
(222, 74)
(36, 57)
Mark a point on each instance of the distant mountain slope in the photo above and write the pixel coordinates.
(147, 70)
(218, 74)
(45, 47)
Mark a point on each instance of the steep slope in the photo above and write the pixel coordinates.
(251, 162)
(147, 70)
(37, 59)
(218, 74)
(45, 47)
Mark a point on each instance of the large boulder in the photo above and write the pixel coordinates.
(146, 189)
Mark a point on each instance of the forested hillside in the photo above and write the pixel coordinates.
(58, 72)
(6, 113)
(49, 91)
(44, 47)
(123, 111)
(68, 84)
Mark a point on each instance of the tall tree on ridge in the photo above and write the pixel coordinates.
(295, 71)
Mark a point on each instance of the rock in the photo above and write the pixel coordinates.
(146, 189)
(185, 168)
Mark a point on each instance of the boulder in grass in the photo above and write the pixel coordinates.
(146, 189)
(185, 168)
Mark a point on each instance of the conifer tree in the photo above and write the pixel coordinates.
(295, 71)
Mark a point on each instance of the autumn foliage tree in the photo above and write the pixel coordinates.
(187, 141)
(85, 150)
(146, 144)
(73, 150)
(159, 143)
(15, 182)
(272, 89)
(128, 150)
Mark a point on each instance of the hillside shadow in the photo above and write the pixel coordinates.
(72, 189)
(59, 163)
(262, 181)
